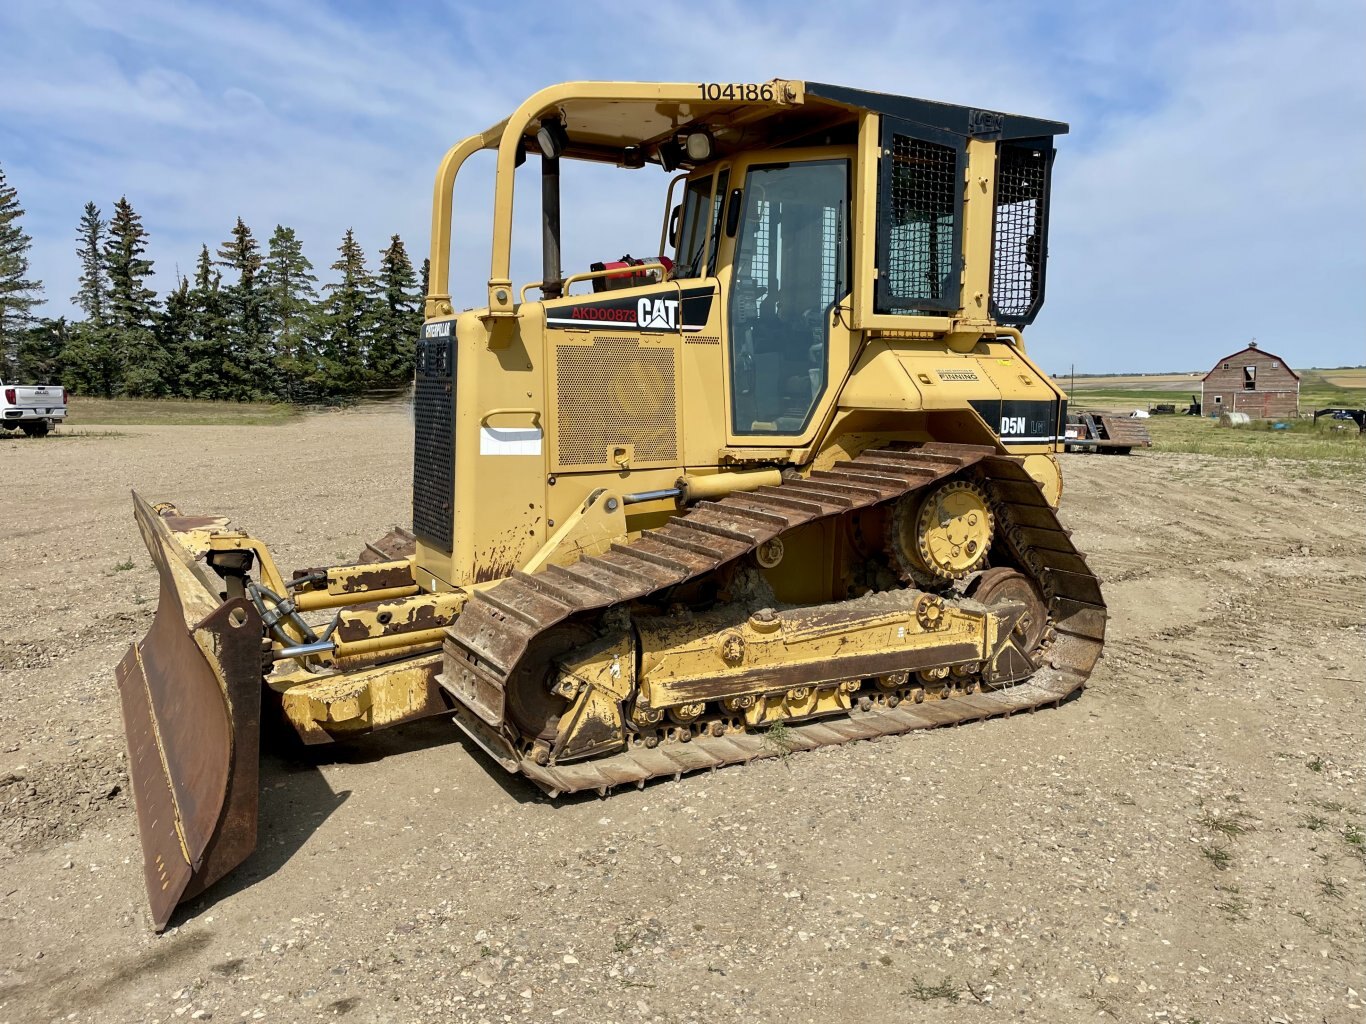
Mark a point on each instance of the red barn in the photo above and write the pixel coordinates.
(1253, 381)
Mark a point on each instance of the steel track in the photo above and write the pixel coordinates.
(499, 625)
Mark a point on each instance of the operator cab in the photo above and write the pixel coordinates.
(827, 261)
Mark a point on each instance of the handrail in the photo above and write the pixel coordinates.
(437, 301)
(515, 128)
(535, 414)
(589, 275)
(1015, 333)
(669, 209)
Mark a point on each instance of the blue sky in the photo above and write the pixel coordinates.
(1211, 189)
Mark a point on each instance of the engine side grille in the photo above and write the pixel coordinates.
(434, 442)
(616, 391)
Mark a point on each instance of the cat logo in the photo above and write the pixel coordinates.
(657, 314)
(1012, 425)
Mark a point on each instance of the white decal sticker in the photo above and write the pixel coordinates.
(657, 314)
(509, 441)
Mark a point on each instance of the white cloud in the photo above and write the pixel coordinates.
(1210, 190)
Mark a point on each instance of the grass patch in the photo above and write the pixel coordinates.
(1331, 889)
(1317, 765)
(1218, 856)
(924, 991)
(1326, 931)
(1230, 825)
(184, 412)
(779, 739)
(123, 566)
(1234, 908)
(1315, 823)
(61, 433)
(1303, 441)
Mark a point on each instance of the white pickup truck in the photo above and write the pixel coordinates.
(34, 410)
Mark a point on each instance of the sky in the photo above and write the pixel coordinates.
(1212, 189)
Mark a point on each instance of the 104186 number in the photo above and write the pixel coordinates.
(747, 91)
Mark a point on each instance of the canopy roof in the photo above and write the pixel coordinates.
(606, 119)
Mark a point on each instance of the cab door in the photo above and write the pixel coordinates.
(787, 274)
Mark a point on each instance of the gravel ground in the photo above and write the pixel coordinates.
(1183, 843)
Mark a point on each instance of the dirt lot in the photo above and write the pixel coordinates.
(1182, 843)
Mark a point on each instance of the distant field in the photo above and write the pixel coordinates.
(1163, 382)
(1319, 389)
(175, 412)
(1353, 377)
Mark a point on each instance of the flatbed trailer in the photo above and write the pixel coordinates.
(1097, 432)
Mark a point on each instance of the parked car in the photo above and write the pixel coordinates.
(35, 410)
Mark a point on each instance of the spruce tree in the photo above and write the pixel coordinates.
(40, 352)
(146, 370)
(205, 353)
(425, 284)
(18, 294)
(347, 318)
(248, 340)
(290, 296)
(398, 320)
(87, 359)
(92, 295)
(173, 325)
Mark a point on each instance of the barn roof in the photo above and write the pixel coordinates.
(1249, 348)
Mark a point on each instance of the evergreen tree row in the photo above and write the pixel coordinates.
(247, 326)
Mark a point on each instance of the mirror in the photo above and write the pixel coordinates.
(673, 225)
(733, 213)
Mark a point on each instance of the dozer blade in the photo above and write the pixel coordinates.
(191, 693)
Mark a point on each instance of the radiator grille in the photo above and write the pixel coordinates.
(434, 442)
(616, 392)
(920, 262)
(1018, 250)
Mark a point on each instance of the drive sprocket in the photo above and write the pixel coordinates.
(941, 535)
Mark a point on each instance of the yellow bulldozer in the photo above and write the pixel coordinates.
(788, 482)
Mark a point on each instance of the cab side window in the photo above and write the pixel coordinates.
(692, 231)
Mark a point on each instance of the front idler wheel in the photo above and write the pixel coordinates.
(532, 705)
(1021, 655)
